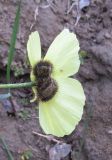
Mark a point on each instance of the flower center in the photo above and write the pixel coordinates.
(46, 85)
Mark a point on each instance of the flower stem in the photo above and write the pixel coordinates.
(18, 85)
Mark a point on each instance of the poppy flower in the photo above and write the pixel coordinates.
(61, 98)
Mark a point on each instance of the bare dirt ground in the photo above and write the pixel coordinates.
(92, 140)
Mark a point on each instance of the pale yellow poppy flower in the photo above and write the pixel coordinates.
(60, 114)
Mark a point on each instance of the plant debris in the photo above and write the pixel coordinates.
(59, 151)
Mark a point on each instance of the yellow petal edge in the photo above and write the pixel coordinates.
(34, 48)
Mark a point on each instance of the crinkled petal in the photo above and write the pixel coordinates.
(60, 115)
(34, 48)
(63, 54)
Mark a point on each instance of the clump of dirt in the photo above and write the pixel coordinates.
(92, 138)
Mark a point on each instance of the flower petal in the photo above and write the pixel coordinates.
(34, 48)
(60, 115)
(34, 89)
(63, 53)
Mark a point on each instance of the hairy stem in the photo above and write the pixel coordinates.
(18, 85)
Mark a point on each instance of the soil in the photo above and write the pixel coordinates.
(92, 139)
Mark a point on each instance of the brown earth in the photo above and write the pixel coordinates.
(92, 140)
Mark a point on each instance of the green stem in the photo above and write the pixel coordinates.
(18, 85)
(10, 157)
